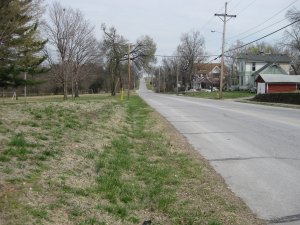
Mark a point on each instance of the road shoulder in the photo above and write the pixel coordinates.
(230, 205)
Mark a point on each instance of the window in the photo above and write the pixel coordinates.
(253, 66)
(241, 66)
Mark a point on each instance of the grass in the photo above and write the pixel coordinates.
(215, 95)
(102, 161)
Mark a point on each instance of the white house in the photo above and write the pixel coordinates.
(251, 65)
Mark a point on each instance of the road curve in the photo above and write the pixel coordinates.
(255, 148)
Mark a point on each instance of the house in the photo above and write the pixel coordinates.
(208, 75)
(251, 65)
(274, 83)
(202, 82)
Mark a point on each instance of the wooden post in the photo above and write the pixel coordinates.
(177, 74)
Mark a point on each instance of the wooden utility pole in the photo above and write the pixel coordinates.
(165, 83)
(159, 79)
(223, 17)
(129, 76)
(177, 75)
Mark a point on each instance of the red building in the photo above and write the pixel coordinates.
(275, 83)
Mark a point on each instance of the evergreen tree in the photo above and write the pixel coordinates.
(20, 46)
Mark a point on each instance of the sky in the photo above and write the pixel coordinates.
(166, 20)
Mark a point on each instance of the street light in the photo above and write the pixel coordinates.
(214, 31)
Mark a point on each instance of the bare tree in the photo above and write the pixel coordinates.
(191, 51)
(142, 53)
(231, 60)
(292, 39)
(169, 70)
(86, 51)
(115, 48)
(262, 47)
(71, 45)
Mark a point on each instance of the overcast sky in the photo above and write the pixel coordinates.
(166, 20)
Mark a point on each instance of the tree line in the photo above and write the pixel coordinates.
(62, 52)
(63, 55)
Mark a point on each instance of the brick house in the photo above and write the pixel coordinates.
(208, 75)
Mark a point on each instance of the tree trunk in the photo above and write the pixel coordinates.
(76, 90)
(65, 91)
(72, 87)
(112, 86)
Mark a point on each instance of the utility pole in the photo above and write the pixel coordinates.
(128, 91)
(159, 79)
(165, 82)
(177, 75)
(223, 17)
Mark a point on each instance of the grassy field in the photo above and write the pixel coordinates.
(97, 160)
(215, 95)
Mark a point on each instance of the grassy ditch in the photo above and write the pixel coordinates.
(101, 161)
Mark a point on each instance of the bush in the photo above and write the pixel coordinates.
(288, 98)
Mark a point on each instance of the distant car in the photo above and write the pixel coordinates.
(234, 88)
(215, 89)
(244, 88)
(192, 90)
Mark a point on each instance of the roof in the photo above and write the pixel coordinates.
(279, 78)
(208, 67)
(274, 58)
(270, 68)
(204, 80)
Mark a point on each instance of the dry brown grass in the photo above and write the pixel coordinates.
(37, 183)
(74, 146)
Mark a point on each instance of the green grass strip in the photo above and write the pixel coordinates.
(138, 172)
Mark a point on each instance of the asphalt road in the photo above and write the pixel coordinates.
(255, 148)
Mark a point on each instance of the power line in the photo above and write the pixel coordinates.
(244, 45)
(179, 56)
(209, 20)
(263, 36)
(246, 7)
(277, 13)
(236, 4)
(263, 29)
(219, 56)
